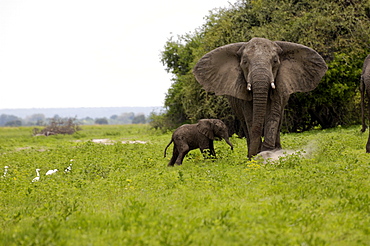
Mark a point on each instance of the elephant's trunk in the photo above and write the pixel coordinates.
(261, 85)
(229, 143)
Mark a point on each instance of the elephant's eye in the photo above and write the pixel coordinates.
(275, 60)
(244, 61)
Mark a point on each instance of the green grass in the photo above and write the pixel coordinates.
(124, 194)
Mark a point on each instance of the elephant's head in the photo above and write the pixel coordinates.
(212, 128)
(253, 70)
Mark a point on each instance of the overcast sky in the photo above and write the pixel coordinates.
(90, 53)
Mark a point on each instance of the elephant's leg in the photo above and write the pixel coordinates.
(212, 148)
(204, 147)
(270, 140)
(363, 91)
(243, 110)
(272, 127)
(368, 115)
(248, 118)
(175, 154)
(182, 152)
(368, 144)
(277, 142)
(246, 133)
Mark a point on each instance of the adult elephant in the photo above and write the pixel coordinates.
(258, 77)
(365, 92)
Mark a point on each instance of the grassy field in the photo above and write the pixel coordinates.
(123, 193)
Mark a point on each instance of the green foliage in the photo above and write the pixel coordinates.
(338, 30)
(178, 58)
(139, 119)
(124, 194)
(101, 121)
(10, 120)
(336, 100)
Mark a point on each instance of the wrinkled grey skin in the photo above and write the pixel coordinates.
(193, 136)
(365, 92)
(258, 77)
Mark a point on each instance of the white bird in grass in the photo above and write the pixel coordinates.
(5, 170)
(50, 172)
(37, 178)
(69, 168)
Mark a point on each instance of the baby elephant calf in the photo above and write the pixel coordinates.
(193, 136)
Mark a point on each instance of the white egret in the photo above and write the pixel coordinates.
(69, 168)
(52, 171)
(5, 170)
(37, 178)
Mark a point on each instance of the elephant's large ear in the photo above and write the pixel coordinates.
(301, 68)
(219, 71)
(205, 127)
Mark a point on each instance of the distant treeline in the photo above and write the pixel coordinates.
(40, 120)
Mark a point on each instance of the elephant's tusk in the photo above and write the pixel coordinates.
(273, 85)
(249, 86)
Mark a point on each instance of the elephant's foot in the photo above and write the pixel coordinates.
(363, 129)
(171, 163)
(270, 147)
(368, 148)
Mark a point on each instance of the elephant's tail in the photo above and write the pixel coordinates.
(167, 147)
(363, 91)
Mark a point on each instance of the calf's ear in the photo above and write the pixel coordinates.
(205, 127)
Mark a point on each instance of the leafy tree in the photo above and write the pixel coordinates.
(101, 121)
(10, 120)
(14, 123)
(87, 121)
(139, 119)
(36, 119)
(125, 118)
(114, 117)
